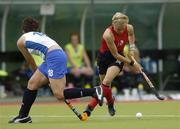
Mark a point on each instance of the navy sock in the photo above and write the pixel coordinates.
(78, 92)
(28, 99)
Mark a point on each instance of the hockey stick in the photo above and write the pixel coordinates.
(82, 117)
(149, 83)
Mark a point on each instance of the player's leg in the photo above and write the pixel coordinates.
(101, 77)
(102, 69)
(56, 65)
(112, 72)
(36, 81)
(106, 80)
(91, 106)
(57, 86)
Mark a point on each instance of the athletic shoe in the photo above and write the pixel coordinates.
(111, 109)
(99, 95)
(88, 110)
(19, 119)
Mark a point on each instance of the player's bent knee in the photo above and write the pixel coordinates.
(32, 85)
(107, 82)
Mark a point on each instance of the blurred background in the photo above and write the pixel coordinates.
(157, 30)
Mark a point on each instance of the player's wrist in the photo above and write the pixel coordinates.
(132, 46)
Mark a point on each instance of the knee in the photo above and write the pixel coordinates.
(59, 95)
(107, 82)
(32, 85)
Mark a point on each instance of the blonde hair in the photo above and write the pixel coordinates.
(120, 18)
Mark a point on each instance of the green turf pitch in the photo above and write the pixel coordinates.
(156, 115)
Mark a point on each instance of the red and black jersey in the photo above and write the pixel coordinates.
(120, 40)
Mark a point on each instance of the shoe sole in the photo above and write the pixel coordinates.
(22, 120)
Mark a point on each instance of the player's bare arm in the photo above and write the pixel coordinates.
(26, 54)
(112, 47)
(132, 46)
(131, 38)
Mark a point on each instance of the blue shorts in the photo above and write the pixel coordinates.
(55, 64)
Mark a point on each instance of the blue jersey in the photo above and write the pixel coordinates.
(55, 61)
(38, 43)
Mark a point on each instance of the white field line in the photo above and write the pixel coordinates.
(98, 116)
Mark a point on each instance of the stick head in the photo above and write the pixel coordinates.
(160, 97)
(157, 94)
(84, 117)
